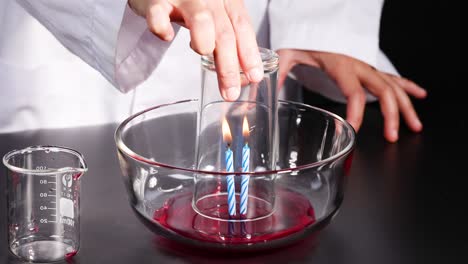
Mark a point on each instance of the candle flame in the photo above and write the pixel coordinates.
(226, 132)
(245, 128)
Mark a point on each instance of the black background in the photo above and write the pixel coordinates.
(424, 41)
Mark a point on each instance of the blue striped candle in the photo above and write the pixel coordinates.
(231, 187)
(244, 195)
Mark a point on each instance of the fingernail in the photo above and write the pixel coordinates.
(418, 125)
(232, 93)
(394, 135)
(255, 75)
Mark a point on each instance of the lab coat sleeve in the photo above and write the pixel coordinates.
(138, 51)
(105, 34)
(349, 27)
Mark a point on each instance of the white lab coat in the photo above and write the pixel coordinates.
(44, 85)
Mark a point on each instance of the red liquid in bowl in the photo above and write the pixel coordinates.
(293, 213)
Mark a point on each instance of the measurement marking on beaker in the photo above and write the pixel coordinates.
(51, 208)
(53, 189)
(53, 215)
(53, 202)
(52, 221)
(53, 195)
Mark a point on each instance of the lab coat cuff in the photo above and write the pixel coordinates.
(104, 28)
(138, 51)
(309, 37)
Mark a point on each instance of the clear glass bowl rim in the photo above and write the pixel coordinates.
(130, 153)
(83, 168)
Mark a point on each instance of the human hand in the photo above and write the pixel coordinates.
(219, 27)
(352, 75)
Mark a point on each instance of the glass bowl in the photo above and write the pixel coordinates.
(158, 158)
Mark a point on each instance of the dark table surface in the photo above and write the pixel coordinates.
(404, 202)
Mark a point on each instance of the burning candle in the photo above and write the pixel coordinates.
(244, 194)
(231, 187)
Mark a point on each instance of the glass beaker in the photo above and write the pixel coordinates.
(43, 202)
(237, 136)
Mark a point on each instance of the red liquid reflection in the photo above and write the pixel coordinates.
(71, 254)
(293, 213)
(76, 176)
(348, 162)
